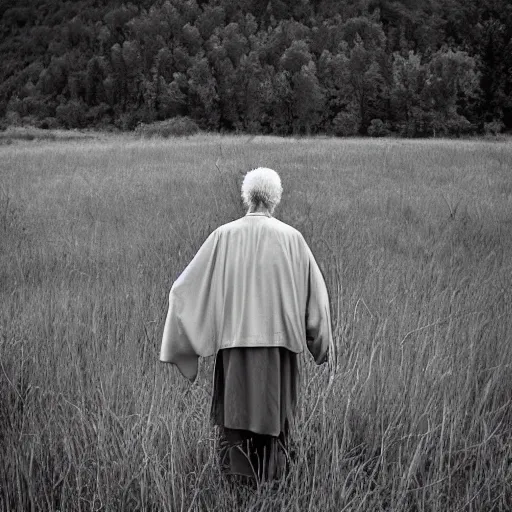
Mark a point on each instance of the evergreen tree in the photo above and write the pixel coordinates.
(366, 83)
(308, 99)
(281, 105)
(408, 82)
(421, 68)
(203, 97)
(94, 76)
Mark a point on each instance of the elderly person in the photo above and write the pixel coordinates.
(254, 296)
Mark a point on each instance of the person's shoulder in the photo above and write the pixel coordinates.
(230, 226)
(286, 228)
(272, 224)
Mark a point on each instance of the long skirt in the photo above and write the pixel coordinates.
(254, 399)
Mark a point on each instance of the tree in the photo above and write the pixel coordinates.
(191, 39)
(295, 56)
(175, 99)
(234, 42)
(203, 97)
(366, 83)
(117, 82)
(281, 103)
(333, 77)
(170, 15)
(164, 63)
(308, 99)
(111, 93)
(364, 30)
(408, 82)
(94, 76)
(72, 114)
(181, 59)
(251, 81)
(212, 19)
(116, 20)
(150, 94)
(275, 43)
(451, 79)
(134, 72)
(148, 30)
(229, 84)
(495, 48)
(53, 79)
(171, 100)
(189, 10)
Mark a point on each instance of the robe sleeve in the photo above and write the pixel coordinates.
(189, 330)
(318, 317)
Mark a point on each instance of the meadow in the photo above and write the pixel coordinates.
(415, 242)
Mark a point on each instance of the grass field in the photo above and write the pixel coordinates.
(415, 242)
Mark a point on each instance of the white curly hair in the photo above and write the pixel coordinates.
(262, 186)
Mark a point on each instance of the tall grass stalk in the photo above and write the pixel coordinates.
(415, 242)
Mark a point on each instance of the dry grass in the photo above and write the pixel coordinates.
(415, 241)
(15, 135)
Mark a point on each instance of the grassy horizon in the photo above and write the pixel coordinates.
(415, 241)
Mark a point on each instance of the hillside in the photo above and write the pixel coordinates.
(439, 67)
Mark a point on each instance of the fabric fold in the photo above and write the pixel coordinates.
(253, 283)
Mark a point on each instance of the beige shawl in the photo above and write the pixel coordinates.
(253, 283)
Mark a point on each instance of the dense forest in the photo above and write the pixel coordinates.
(344, 67)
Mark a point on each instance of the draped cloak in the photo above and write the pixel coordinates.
(253, 283)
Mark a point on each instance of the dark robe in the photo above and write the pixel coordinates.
(254, 399)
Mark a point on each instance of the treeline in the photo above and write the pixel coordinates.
(412, 67)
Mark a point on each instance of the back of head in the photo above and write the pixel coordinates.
(262, 187)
